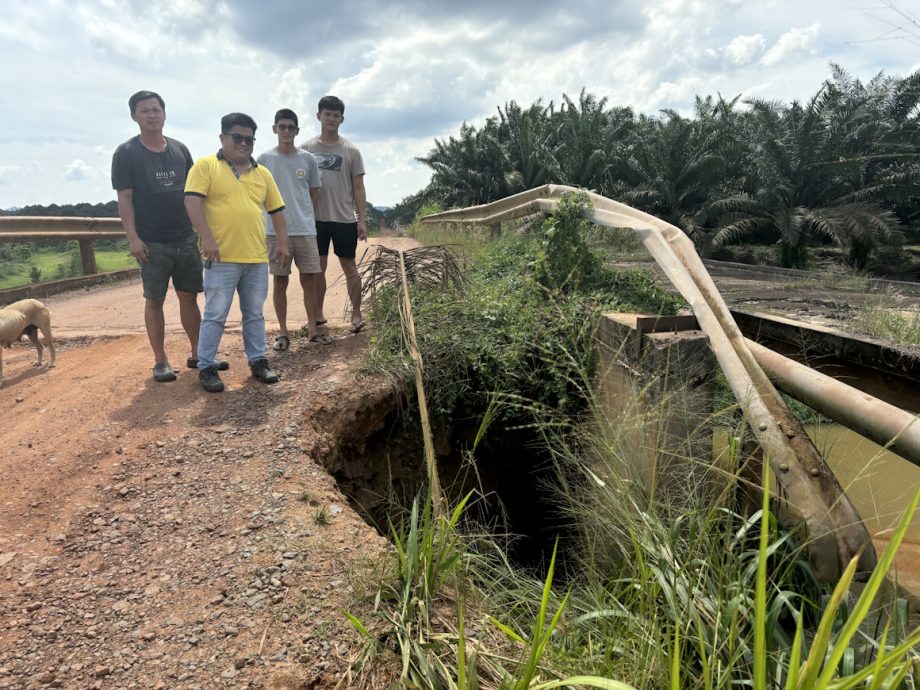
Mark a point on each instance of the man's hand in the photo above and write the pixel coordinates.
(138, 249)
(209, 249)
(362, 230)
(281, 251)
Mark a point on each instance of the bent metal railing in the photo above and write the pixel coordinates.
(812, 498)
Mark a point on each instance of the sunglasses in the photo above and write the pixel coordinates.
(240, 139)
(286, 128)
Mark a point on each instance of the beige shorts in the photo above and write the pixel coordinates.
(303, 252)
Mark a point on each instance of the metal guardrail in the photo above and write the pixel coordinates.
(812, 498)
(84, 231)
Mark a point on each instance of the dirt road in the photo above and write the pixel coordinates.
(154, 536)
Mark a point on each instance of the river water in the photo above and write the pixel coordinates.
(879, 483)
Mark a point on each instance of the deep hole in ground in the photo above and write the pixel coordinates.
(379, 466)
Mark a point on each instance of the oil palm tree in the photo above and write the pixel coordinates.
(803, 186)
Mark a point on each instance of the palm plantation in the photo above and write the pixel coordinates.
(840, 169)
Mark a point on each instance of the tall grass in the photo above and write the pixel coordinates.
(888, 317)
(662, 589)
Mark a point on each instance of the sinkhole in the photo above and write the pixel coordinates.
(379, 466)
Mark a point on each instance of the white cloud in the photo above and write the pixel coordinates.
(408, 70)
(79, 170)
(792, 44)
(744, 49)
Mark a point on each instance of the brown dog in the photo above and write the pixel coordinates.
(26, 317)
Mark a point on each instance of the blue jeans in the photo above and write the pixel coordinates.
(220, 282)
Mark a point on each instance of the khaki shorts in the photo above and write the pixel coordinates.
(303, 252)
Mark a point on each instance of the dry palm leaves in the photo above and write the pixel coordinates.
(436, 265)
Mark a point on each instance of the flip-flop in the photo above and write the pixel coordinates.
(321, 338)
(358, 327)
(322, 323)
(282, 343)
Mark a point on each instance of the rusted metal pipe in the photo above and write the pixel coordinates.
(887, 425)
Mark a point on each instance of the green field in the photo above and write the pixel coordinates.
(61, 264)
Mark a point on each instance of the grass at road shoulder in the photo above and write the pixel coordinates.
(888, 318)
(51, 262)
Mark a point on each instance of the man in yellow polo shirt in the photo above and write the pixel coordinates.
(225, 196)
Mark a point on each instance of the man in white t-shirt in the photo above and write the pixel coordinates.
(341, 208)
(297, 175)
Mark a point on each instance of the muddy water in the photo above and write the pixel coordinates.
(879, 483)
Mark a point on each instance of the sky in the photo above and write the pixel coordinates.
(409, 72)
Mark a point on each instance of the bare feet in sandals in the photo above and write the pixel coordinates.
(282, 343)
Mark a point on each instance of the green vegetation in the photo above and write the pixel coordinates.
(24, 263)
(886, 318)
(322, 517)
(521, 327)
(51, 264)
(839, 169)
(658, 592)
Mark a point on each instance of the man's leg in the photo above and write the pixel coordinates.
(190, 315)
(309, 265)
(155, 273)
(308, 283)
(253, 290)
(353, 282)
(156, 328)
(323, 239)
(319, 288)
(220, 282)
(187, 279)
(279, 299)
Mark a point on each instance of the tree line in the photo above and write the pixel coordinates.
(841, 168)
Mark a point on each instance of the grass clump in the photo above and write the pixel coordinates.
(888, 318)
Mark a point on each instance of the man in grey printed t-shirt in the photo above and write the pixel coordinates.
(297, 175)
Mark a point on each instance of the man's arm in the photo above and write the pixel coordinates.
(314, 197)
(194, 206)
(126, 212)
(279, 225)
(357, 184)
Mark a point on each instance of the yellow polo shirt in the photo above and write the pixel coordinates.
(233, 206)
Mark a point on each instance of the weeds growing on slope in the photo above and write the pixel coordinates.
(659, 593)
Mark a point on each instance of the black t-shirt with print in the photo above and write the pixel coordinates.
(158, 181)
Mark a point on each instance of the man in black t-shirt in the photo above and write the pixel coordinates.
(148, 172)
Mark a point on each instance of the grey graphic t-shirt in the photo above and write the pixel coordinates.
(295, 174)
(338, 164)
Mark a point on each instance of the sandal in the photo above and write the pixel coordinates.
(163, 372)
(358, 327)
(321, 338)
(282, 343)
